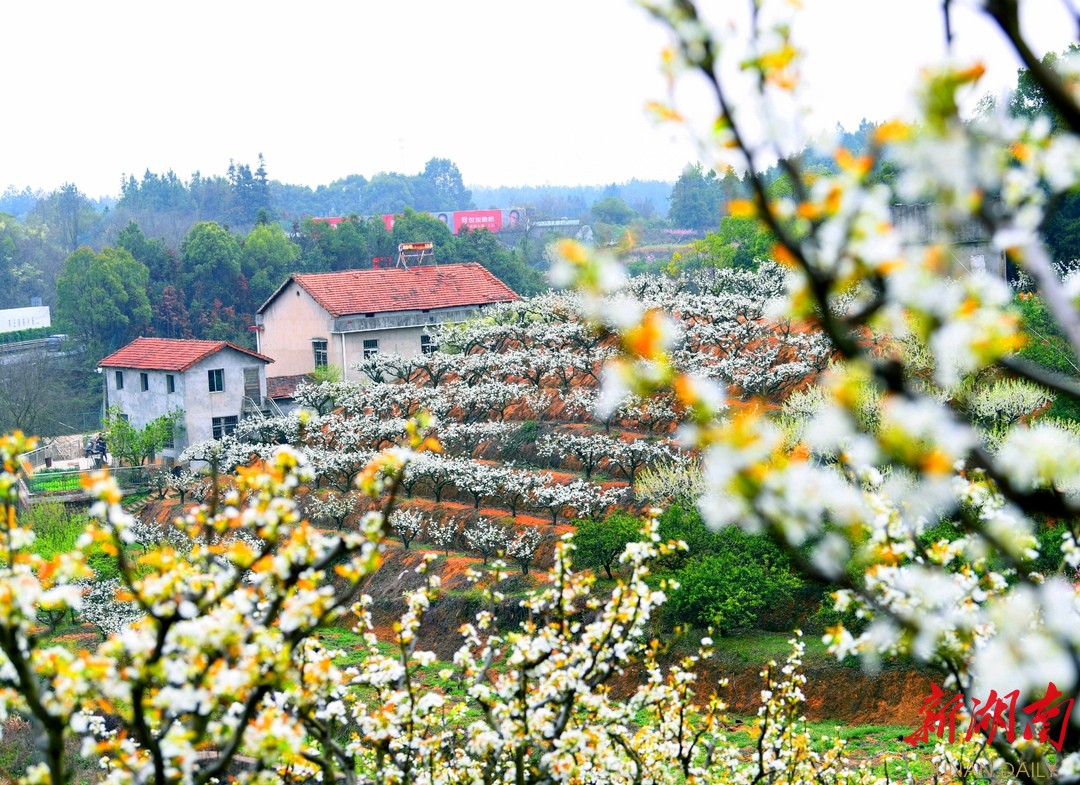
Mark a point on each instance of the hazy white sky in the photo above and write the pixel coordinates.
(513, 92)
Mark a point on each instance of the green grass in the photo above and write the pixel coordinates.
(877, 745)
(757, 648)
(57, 529)
(43, 482)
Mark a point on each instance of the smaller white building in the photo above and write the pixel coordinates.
(13, 319)
(214, 383)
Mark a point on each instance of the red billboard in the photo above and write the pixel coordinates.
(462, 220)
(469, 220)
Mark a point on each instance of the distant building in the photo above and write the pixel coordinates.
(968, 248)
(319, 319)
(12, 319)
(214, 383)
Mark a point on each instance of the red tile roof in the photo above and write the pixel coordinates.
(169, 354)
(396, 289)
(285, 386)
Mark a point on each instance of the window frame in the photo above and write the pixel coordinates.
(320, 347)
(220, 427)
(427, 344)
(170, 383)
(371, 350)
(216, 380)
(119, 380)
(144, 381)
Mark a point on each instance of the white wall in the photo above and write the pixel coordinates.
(404, 341)
(192, 395)
(202, 405)
(12, 319)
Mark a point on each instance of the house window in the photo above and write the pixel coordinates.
(170, 383)
(119, 380)
(319, 347)
(224, 426)
(217, 379)
(427, 344)
(371, 347)
(144, 381)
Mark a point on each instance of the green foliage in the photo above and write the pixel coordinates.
(29, 334)
(331, 374)
(741, 242)
(1048, 347)
(1061, 228)
(267, 258)
(441, 187)
(728, 578)
(102, 298)
(683, 522)
(613, 210)
(599, 543)
(1029, 99)
(134, 445)
(484, 247)
(1050, 556)
(211, 266)
(696, 199)
(57, 529)
(726, 589)
(1046, 343)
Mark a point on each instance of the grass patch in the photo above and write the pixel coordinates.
(57, 529)
(758, 648)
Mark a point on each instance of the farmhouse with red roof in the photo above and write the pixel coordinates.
(214, 383)
(319, 319)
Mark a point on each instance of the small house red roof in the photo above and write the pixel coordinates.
(285, 386)
(169, 354)
(397, 289)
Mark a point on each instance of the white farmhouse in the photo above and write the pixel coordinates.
(319, 319)
(214, 383)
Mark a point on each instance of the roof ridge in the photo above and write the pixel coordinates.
(176, 354)
(428, 287)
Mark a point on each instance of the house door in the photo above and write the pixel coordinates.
(251, 384)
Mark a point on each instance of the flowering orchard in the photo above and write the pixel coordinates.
(513, 399)
(212, 666)
(925, 418)
(223, 674)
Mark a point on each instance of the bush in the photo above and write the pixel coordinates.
(728, 586)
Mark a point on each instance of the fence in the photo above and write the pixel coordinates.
(67, 448)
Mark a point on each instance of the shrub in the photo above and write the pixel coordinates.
(727, 586)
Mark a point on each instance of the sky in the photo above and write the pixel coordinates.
(515, 93)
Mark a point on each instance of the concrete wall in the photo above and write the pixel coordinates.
(288, 326)
(143, 406)
(293, 319)
(192, 395)
(202, 405)
(12, 319)
(404, 341)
